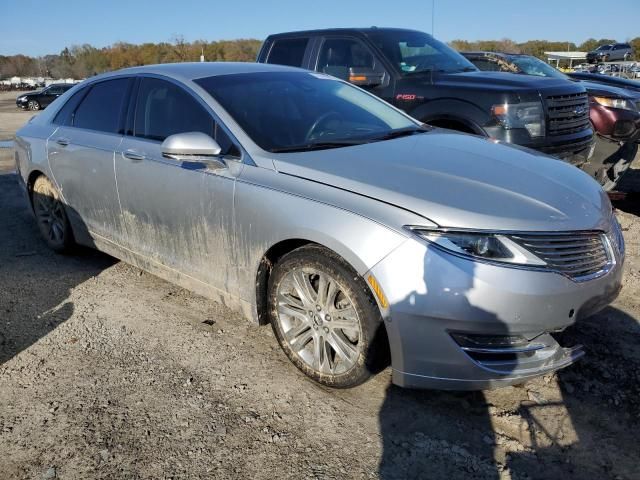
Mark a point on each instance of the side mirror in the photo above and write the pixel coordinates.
(193, 148)
(365, 77)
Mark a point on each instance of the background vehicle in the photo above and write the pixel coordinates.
(614, 113)
(354, 229)
(438, 86)
(608, 53)
(42, 98)
(627, 84)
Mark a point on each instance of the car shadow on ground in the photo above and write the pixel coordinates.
(600, 395)
(45, 278)
(415, 444)
(629, 186)
(439, 434)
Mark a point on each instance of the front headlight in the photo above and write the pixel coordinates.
(479, 245)
(23, 97)
(529, 115)
(616, 103)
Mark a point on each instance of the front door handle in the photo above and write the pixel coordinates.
(133, 155)
(63, 141)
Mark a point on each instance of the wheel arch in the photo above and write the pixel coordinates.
(455, 123)
(276, 251)
(466, 116)
(31, 180)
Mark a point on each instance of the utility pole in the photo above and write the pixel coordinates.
(433, 8)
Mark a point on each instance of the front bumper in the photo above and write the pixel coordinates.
(573, 148)
(22, 103)
(443, 294)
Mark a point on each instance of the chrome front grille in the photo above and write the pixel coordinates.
(573, 254)
(567, 113)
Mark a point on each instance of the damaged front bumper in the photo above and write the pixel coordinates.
(457, 324)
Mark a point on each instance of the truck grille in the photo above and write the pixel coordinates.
(573, 254)
(567, 113)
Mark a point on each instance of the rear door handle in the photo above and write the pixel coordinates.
(133, 155)
(63, 141)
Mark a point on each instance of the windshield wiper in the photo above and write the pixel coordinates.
(317, 146)
(402, 132)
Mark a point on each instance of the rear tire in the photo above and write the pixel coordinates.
(33, 105)
(325, 318)
(51, 216)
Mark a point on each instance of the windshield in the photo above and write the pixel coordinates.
(415, 52)
(535, 66)
(604, 47)
(287, 111)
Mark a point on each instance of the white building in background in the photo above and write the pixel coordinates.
(35, 81)
(569, 57)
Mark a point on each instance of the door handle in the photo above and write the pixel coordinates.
(133, 155)
(63, 141)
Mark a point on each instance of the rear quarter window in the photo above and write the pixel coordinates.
(289, 51)
(64, 115)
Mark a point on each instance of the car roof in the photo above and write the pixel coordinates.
(331, 31)
(195, 70)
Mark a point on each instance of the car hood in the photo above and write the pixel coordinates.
(461, 181)
(506, 81)
(594, 88)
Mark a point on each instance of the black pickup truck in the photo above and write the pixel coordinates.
(437, 85)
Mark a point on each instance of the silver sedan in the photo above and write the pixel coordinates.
(362, 236)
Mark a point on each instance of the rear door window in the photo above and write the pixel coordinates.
(101, 109)
(288, 51)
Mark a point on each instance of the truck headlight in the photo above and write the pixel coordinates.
(479, 245)
(616, 103)
(529, 115)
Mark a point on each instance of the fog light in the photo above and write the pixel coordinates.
(489, 341)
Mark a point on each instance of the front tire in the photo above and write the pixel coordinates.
(51, 216)
(33, 105)
(325, 318)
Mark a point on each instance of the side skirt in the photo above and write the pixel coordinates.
(176, 277)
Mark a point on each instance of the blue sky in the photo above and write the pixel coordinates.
(37, 27)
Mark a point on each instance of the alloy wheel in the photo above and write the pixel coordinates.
(51, 218)
(319, 321)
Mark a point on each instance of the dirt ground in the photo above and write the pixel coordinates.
(110, 373)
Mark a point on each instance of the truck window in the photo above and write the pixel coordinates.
(486, 65)
(288, 51)
(339, 54)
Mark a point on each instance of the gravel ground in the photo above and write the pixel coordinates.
(110, 373)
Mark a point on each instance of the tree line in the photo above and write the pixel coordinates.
(538, 47)
(81, 61)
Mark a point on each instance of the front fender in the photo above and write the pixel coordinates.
(265, 216)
